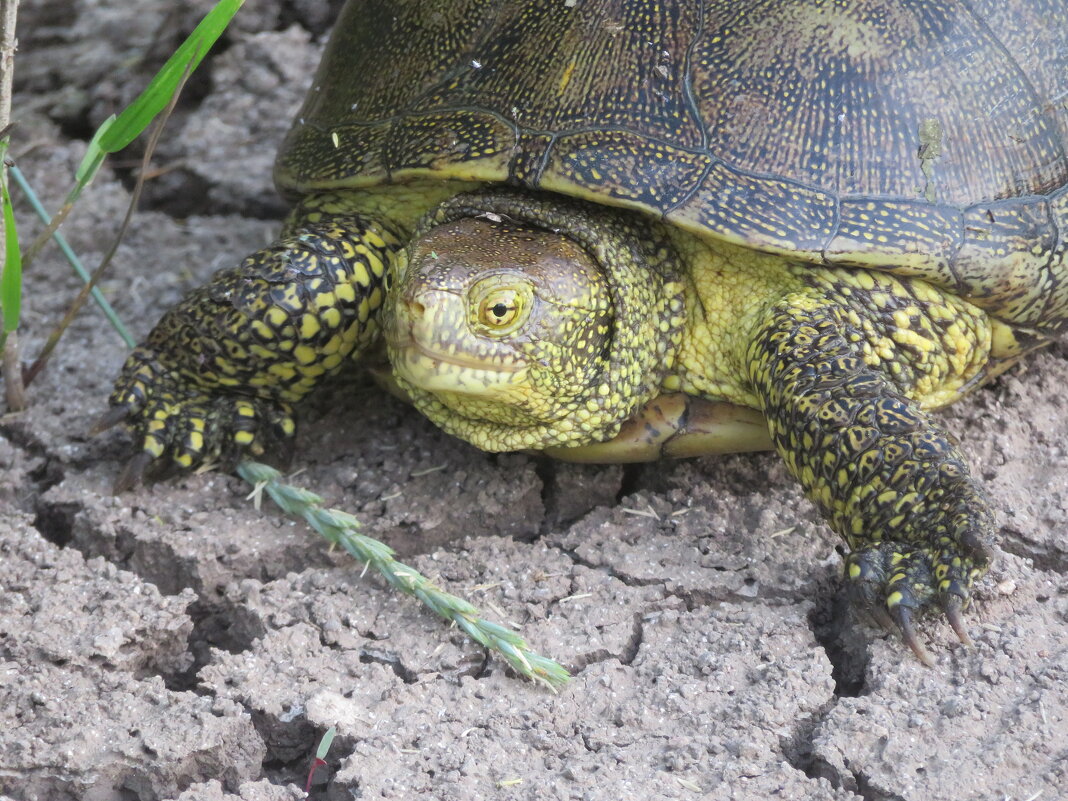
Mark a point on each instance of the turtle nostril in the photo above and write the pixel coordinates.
(415, 308)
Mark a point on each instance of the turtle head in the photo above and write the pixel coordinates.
(506, 331)
(501, 323)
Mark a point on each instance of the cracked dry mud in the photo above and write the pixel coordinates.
(174, 642)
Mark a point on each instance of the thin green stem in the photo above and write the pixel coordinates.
(341, 528)
(75, 262)
(98, 273)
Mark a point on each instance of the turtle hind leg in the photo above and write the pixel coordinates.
(884, 475)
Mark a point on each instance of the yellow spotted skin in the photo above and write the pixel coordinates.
(610, 309)
(843, 368)
(220, 371)
(841, 213)
(592, 362)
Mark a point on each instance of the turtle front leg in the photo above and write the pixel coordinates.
(885, 476)
(219, 373)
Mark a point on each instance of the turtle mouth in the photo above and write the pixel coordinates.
(408, 347)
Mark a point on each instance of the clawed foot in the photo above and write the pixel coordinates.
(181, 429)
(893, 580)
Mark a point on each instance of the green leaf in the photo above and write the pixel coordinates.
(324, 744)
(93, 158)
(11, 280)
(137, 116)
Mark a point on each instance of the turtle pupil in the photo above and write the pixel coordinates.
(499, 310)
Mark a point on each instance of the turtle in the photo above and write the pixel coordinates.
(623, 229)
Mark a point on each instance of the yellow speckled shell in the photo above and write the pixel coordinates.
(924, 137)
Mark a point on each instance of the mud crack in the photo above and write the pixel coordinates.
(839, 634)
(1018, 543)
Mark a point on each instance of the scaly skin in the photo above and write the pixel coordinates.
(574, 375)
(884, 475)
(219, 372)
(842, 363)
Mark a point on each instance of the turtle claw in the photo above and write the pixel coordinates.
(110, 418)
(893, 581)
(133, 473)
(902, 616)
(882, 618)
(953, 609)
(182, 434)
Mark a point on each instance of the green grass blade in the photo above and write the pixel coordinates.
(137, 116)
(117, 132)
(11, 280)
(93, 158)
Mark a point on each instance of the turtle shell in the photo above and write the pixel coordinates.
(924, 137)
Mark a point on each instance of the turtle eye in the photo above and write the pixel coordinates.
(499, 309)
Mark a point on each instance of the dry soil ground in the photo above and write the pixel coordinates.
(174, 642)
